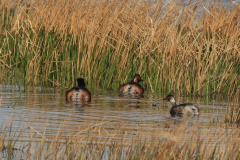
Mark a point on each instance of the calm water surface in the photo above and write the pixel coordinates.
(45, 110)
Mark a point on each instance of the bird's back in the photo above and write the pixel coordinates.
(185, 108)
(131, 88)
(78, 94)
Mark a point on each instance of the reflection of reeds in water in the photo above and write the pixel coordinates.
(190, 48)
(104, 140)
(233, 111)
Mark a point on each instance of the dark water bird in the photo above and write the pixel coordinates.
(79, 93)
(181, 108)
(133, 87)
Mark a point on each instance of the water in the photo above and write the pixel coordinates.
(42, 114)
(46, 108)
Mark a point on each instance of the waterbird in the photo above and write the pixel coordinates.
(133, 87)
(181, 108)
(79, 93)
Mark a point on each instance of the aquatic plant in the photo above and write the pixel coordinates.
(188, 48)
(103, 140)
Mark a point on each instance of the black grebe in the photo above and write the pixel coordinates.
(79, 93)
(181, 108)
(132, 87)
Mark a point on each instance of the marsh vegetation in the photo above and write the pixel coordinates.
(184, 48)
(188, 48)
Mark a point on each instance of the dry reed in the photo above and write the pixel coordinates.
(103, 140)
(189, 48)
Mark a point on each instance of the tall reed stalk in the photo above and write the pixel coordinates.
(103, 141)
(189, 48)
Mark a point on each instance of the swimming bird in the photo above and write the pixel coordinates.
(79, 93)
(133, 87)
(181, 108)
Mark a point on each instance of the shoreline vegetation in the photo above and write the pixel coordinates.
(185, 139)
(185, 48)
(190, 48)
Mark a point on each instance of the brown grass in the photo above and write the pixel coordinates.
(104, 140)
(189, 48)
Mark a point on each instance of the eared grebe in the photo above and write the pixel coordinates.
(181, 108)
(79, 93)
(132, 87)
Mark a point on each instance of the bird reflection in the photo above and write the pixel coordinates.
(184, 115)
(134, 104)
(134, 99)
(132, 96)
(79, 103)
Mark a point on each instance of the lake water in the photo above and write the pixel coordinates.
(45, 110)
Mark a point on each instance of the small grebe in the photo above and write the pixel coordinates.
(132, 87)
(79, 93)
(181, 108)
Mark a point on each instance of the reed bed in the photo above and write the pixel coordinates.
(189, 48)
(103, 141)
